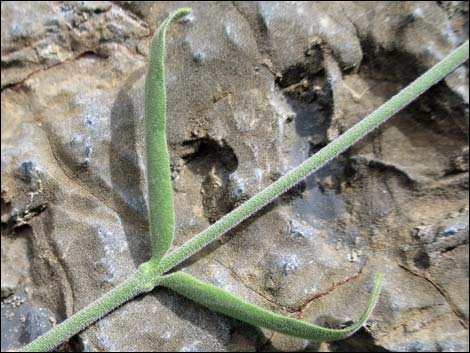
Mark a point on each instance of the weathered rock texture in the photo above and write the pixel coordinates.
(254, 88)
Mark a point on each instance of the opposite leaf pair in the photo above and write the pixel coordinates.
(161, 214)
(160, 194)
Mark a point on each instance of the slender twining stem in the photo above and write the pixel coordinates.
(160, 192)
(326, 154)
(162, 217)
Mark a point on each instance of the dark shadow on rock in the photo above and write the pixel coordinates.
(361, 341)
(310, 97)
(126, 175)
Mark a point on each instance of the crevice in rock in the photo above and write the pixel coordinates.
(16, 86)
(301, 78)
(139, 10)
(389, 170)
(97, 52)
(48, 254)
(441, 291)
(335, 285)
(213, 162)
(361, 341)
(422, 260)
(75, 344)
(308, 93)
(453, 247)
(257, 25)
(27, 198)
(432, 110)
(11, 220)
(6, 222)
(298, 314)
(384, 175)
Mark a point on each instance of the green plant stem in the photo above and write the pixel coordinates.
(326, 154)
(130, 288)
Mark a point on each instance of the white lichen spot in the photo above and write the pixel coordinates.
(237, 184)
(433, 50)
(113, 247)
(166, 336)
(88, 150)
(189, 18)
(93, 109)
(459, 82)
(299, 230)
(418, 12)
(450, 34)
(102, 338)
(300, 11)
(324, 21)
(76, 140)
(244, 121)
(354, 255)
(193, 347)
(289, 264)
(259, 176)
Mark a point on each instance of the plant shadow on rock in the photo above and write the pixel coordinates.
(126, 174)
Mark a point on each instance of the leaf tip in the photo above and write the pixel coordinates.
(180, 13)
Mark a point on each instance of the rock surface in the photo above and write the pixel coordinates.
(254, 88)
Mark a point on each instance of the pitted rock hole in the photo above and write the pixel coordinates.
(213, 162)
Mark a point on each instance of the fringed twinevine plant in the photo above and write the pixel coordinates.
(161, 214)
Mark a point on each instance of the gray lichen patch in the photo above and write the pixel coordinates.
(300, 230)
(289, 264)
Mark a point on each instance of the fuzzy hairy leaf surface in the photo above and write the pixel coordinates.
(223, 302)
(160, 192)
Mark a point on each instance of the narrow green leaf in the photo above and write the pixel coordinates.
(160, 192)
(223, 302)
